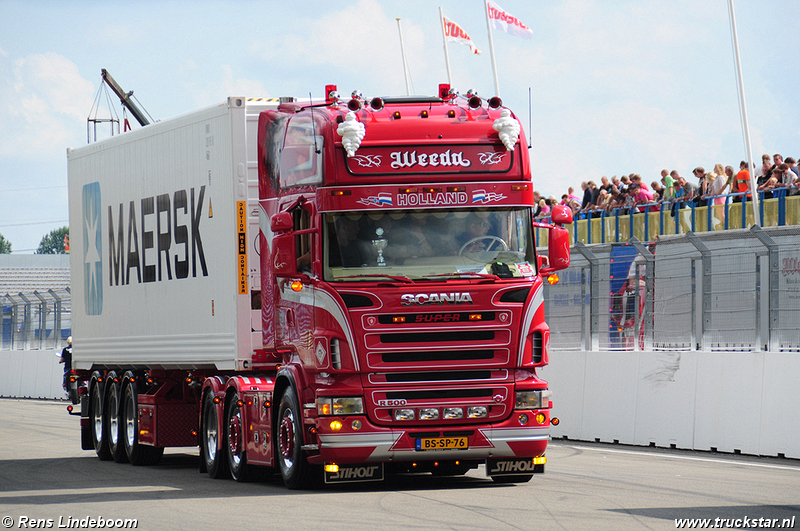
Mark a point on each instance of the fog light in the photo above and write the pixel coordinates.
(523, 419)
(540, 418)
(428, 413)
(403, 414)
(332, 468)
(336, 425)
(453, 413)
(477, 412)
(356, 425)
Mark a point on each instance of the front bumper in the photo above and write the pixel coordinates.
(373, 443)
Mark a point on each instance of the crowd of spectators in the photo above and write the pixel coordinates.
(629, 193)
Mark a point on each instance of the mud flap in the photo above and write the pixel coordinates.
(515, 466)
(354, 473)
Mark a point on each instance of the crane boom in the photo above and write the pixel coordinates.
(125, 98)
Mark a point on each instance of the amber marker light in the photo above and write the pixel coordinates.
(297, 285)
(552, 279)
(520, 187)
(540, 418)
(554, 421)
(332, 468)
(396, 115)
(339, 193)
(399, 319)
(475, 316)
(336, 425)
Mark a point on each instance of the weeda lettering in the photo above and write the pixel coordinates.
(409, 159)
(168, 226)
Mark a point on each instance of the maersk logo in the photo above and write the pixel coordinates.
(92, 249)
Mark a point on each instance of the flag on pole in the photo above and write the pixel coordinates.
(455, 33)
(502, 20)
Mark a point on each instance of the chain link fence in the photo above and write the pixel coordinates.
(737, 290)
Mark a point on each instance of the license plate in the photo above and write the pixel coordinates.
(443, 443)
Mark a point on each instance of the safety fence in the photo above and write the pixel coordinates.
(737, 290)
(665, 219)
(36, 320)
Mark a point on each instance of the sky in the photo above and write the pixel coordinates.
(615, 86)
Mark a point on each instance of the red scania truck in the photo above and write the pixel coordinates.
(337, 289)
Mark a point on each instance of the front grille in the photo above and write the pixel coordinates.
(445, 355)
(438, 337)
(437, 376)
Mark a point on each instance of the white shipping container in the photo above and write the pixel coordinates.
(156, 274)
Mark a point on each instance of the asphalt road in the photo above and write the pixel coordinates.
(45, 475)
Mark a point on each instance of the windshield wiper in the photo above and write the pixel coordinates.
(405, 280)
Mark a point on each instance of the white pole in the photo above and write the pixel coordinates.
(403, 51)
(446, 52)
(491, 50)
(745, 125)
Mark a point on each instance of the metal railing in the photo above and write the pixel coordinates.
(736, 290)
(36, 320)
(668, 218)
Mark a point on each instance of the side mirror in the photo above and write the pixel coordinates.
(557, 251)
(281, 222)
(561, 215)
(284, 254)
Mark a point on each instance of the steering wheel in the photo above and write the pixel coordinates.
(492, 241)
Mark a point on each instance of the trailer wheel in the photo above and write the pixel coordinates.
(235, 452)
(113, 418)
(522, 478)
(138, 454)
(97, 425)
(291, 459)
(212, 458)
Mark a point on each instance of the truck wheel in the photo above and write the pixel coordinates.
(236, 455)
(138, 454)
(212, 458)
(522, 478)
(97, 425)
(113, 423)
(291, 459)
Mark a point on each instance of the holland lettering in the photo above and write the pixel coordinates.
(428, 198)
(164, 232)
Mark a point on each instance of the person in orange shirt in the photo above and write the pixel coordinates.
(741, 183)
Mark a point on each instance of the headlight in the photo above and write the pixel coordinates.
(533, 399)
(345, 405)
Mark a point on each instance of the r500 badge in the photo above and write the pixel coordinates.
(393, 403)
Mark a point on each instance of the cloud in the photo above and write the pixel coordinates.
(359, 43)
(45, 103)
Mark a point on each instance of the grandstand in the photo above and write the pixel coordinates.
(35, 295)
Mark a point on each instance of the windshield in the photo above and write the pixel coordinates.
(418, 244)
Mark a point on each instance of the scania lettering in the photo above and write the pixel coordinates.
(317, 288)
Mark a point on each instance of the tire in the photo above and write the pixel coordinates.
(97, 424)
(235, 444)
(113, 420)
(292, 462)
(522, 478)
(212, 458)
(137, 454)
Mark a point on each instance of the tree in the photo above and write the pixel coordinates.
(53, 243)
(5, 245)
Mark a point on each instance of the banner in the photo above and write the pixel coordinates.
(502, 20)
(454, 33)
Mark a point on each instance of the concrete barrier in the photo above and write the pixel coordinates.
(31, 374)
(737, 402)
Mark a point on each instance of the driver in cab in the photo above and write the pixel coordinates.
(474, 237)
